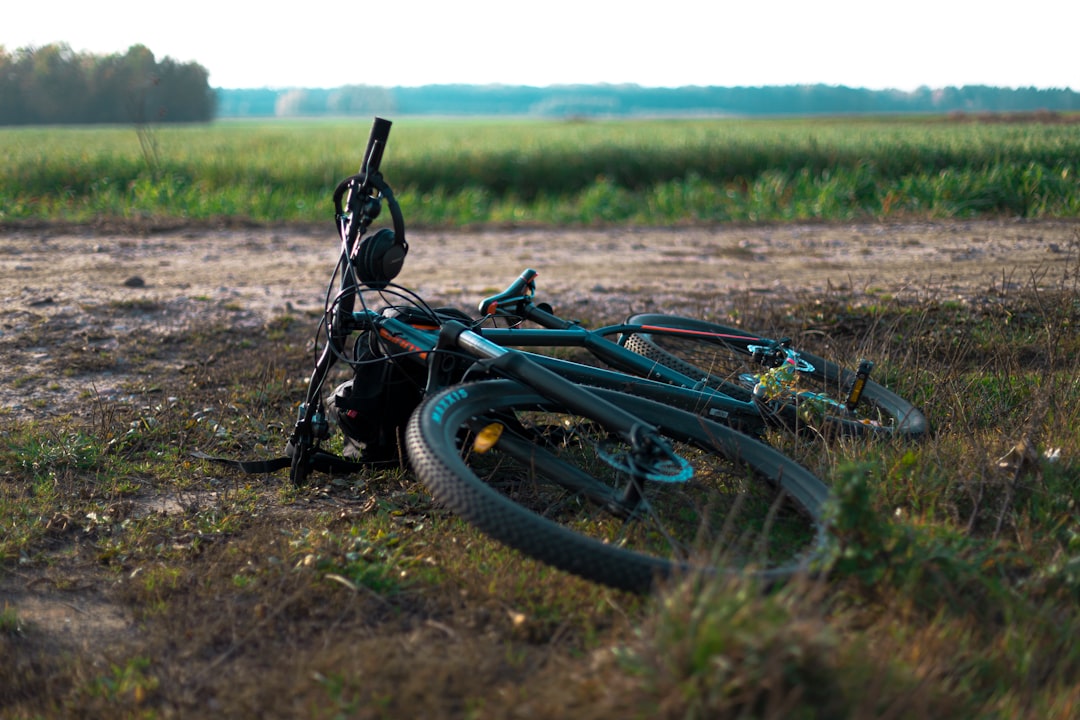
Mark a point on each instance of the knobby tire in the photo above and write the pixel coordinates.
(745, 510)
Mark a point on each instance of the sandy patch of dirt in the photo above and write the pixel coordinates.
(86, 310)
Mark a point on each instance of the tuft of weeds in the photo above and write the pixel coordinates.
(10, 623)
(724, 647)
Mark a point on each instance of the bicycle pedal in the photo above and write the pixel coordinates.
(858, 384)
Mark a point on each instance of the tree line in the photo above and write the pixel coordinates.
(53, 84)
(633, 100)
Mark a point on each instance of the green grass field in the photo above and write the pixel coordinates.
(462, 172)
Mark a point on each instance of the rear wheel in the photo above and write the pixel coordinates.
(560, 488)
(752, 368)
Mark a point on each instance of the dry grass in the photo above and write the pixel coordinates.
(136, 582)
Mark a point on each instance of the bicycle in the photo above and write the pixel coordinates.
(617, 488)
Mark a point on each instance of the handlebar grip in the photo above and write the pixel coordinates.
(380, 132)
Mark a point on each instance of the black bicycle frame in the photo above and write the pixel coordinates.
(643, 377)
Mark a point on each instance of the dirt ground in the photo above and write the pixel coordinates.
(70, 296)
(77, 305)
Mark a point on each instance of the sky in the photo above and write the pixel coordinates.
(662, 43)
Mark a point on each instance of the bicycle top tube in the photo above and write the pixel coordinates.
(704, 334)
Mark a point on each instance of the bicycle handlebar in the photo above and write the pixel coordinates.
(357, 187)
(516, 301)
(380, 133)
(519, 290)
(357, 198)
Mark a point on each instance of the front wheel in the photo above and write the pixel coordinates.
(749, 367)
(562, 489)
